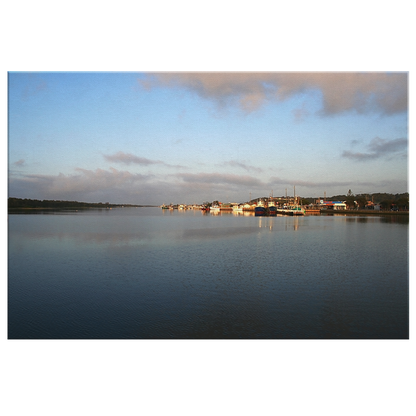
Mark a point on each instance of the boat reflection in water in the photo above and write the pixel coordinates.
(248, 213)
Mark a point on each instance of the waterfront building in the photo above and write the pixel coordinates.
(333, 205)
(248, 207)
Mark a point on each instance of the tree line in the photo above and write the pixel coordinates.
(20, 203)
(385, 200)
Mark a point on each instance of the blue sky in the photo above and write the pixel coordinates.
(172, 137)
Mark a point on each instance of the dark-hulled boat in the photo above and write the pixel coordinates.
(272, 210)
(258, 211)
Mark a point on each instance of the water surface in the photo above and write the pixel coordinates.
(157, 274)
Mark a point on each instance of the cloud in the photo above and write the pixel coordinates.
(242, 165)
(84, 184)
(250, 182)
(120, 186)
(379, 148)
(128, 159)
(20, 162)
(382, 146)
(384, 93)
(358, 156)
(223, 179)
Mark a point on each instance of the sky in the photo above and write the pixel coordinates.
(190, 137)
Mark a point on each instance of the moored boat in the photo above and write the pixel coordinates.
(297, 210)
(291, 210)
(272, 210)
(214, 208)
(259, 211)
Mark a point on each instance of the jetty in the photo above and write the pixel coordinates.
(312, 211)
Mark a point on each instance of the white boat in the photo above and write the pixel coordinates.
(291, 210)
(297, 210)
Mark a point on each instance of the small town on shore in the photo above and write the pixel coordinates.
(284, 205)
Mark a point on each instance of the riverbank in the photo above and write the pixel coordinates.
(362, 212)
(16, 210)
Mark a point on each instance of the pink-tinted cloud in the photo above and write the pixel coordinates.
(384, 93)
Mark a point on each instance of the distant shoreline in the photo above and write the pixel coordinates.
(19, 204)
(78, 208)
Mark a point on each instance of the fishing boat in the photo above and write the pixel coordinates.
(272, 210)
(215, 208)
(282, 210)
(291, 210)
(297, 210)
(258, 211)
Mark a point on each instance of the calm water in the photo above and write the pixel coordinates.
(152, 273)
